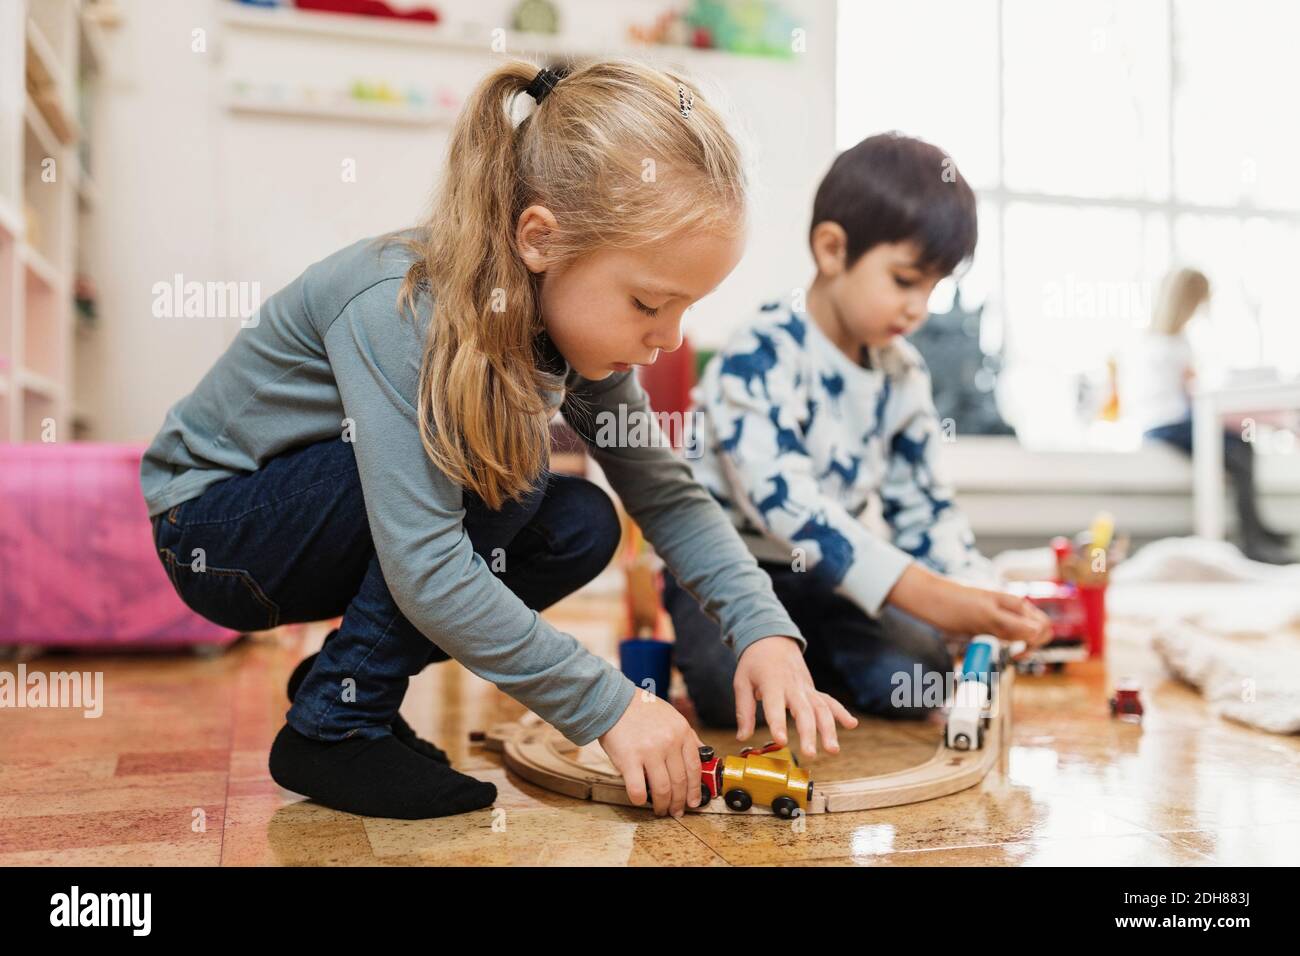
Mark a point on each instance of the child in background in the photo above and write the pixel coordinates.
(376, 446)
(807, 413)
(1158, 377)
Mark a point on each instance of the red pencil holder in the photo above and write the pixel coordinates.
(1094, 614)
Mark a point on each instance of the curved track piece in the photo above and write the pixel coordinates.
(541, 755)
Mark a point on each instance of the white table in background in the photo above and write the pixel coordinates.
(1208, 409)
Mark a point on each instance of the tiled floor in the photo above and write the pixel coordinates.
(174, 772)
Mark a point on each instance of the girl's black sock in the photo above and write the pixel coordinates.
(401, 729)
(375, 777)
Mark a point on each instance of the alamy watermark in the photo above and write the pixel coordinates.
(1081, 298)
(180, 299)
(635, 428)
(82, 690)
(75, 908)
(929, 689)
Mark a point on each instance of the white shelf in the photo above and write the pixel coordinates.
(40, 267)
(36, 122)
(52, 79)
(42, 385)
(60, 57)
(377, 112)
(47, 65)
(339, 25)
(10, 221)
(465, 37)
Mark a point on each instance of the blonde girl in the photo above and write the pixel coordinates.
(376, 447)
(1160, 378)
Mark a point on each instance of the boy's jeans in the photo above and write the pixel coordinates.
(291, 542)
(850, 656)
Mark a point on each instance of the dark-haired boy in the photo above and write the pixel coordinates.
(811, 410)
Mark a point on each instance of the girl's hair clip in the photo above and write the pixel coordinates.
(685, 101)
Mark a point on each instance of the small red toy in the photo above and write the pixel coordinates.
(1126, 704)
(710, 775)
(370, 8)
(1064, 607)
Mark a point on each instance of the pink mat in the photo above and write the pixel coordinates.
(78, 566)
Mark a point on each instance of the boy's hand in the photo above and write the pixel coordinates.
(773, 670)
(962, 609)
(1014, 618)
(1006, 616)
(653, 744)
(967, 610)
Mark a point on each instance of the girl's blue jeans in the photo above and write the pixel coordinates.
(291, 542)
(1238, 461)
(850, 656)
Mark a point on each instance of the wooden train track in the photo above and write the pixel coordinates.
(541, 755)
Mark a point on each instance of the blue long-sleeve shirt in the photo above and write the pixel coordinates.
(794, 439)
(331, 345)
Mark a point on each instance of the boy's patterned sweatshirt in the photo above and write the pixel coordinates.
(793, 438)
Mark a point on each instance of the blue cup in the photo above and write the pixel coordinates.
(647, 663)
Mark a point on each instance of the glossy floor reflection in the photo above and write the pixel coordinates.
(174, 772)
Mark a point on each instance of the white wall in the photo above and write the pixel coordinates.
(188, 187)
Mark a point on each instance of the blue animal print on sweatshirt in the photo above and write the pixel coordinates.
(798, 439)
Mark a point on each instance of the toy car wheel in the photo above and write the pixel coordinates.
(705, 796)
(739, 800)
(706, 754)
(785, 807)
(961, 742)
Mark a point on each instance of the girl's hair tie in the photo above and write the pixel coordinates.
(543, 83)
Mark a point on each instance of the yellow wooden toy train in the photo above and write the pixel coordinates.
(767, 775)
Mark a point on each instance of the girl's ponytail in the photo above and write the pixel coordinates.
(481, 409)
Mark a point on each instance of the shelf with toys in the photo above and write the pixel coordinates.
(53, 51)
(708, 29)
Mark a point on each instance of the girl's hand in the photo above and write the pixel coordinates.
(773, 670)
(653, 744)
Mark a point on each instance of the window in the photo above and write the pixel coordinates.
(1108, 141)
